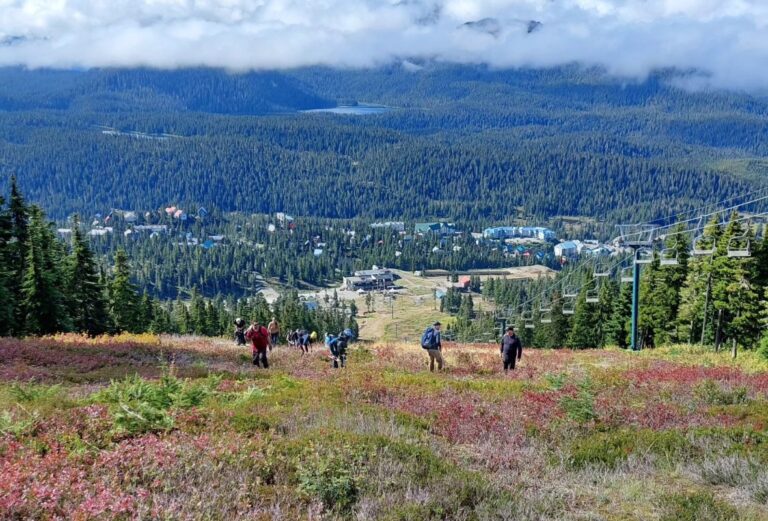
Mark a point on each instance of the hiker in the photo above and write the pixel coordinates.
(274, 333)
(259, 337)
(240, 331)
(511, 349)
(430, 341)
(338, 347)
(293, 338)
(303, 339)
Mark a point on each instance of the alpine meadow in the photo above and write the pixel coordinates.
(466, 260)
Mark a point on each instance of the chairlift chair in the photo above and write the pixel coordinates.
(627, 274)
(699, 247)
(606, 272)
(528, 320)
(546, 318)
(545, 306)
(644, 256)
(669, 257)
(739, 247)
(593, 296)
(569, 307)
(570, 293)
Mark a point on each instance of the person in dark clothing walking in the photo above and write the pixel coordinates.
(511, 349)
(303, 339)
(240, 331)
(431, 341)
(338, 347)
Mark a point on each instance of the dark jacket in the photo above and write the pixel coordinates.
(338, 346)
(511, 346)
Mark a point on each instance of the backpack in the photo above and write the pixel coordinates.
(429, 338)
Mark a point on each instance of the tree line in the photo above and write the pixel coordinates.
(714, 299)
(49, 286)
(313, 252)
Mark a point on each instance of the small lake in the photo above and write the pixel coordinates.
(355, 110)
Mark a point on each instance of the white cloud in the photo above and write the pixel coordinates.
(725, 39)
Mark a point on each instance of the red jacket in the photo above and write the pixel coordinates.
(259, 338)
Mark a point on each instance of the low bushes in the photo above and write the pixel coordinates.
(139, 406)
(699, 506)
(608, 449)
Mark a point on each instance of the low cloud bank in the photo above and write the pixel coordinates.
(725, 42)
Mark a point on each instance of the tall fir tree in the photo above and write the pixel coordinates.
(123, 304)
(7, 301)
(617, 328)
(735, 296)
(42, 300)
(17, 254)
(584, 334)
(694, 318)
(85, 294)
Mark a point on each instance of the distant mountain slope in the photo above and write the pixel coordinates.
(466, 143)
(203, 90)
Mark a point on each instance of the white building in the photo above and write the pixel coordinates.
(566, 249)
(393, 225)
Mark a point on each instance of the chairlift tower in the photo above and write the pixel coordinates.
(638, 237)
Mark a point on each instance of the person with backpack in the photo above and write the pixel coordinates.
(240, 331)
(330, 343)
(274, 333)
(511, 349)
(303, 339)
(430, 341)
(338, 346)
(259, 337)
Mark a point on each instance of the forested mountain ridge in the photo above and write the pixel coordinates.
(460, 142)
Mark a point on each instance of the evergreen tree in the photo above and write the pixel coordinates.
(6, 294)
(197, 313)
(584, 333)
(122, 294)
(555, 334)
(608, 293)
(694, 319)
(667, 295)
(42, 300)
(735, 297)
(760, 265)
(617, 330)
(17, 255)
(87, 307)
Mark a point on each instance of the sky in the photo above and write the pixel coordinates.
(722, 43)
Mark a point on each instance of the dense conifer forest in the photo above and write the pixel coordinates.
(50, 286)
(462, 143)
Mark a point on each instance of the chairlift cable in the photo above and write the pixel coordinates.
(703, 216)
(695, 210)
